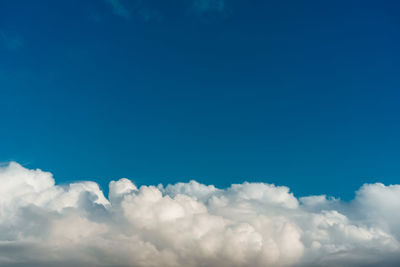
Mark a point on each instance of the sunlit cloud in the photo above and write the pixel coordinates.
(191, 224)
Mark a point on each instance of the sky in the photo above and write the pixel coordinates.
(296, 93)
(199, 133)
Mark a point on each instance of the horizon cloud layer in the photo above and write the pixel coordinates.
(191, 224)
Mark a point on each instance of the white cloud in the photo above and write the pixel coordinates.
(190, 224)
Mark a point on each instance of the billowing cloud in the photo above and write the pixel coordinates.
(191, 224)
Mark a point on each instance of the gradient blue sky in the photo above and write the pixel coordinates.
(297, 93)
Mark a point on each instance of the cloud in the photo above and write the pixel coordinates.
(119, 9)
(10, 41)
(191, 224)
(139, 9)
(153, 11)
(206, 6)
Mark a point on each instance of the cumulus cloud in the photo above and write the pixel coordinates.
(191, 224)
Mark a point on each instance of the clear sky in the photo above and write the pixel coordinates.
(297, 93)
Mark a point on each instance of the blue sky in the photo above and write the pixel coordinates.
(297, 93)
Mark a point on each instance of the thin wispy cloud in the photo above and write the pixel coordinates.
(10, 41)
(205, 6)
(119, 9)
(148, 10)
(191, 224)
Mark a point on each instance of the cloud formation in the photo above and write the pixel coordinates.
(191, 224)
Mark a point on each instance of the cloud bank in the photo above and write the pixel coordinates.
(191, 224)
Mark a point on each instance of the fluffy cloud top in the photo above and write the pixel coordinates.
(191, 224)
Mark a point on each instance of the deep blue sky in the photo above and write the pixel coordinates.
(297, 93)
